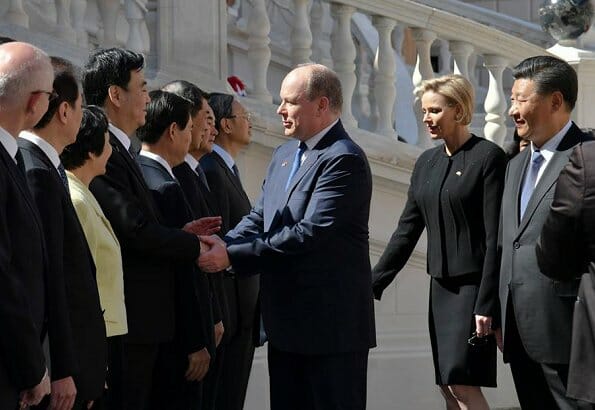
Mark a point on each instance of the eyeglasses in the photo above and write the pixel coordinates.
(246, 115)
(51, 94)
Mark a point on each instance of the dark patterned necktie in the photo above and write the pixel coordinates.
(531, 180)
(202, 177)
(63, 177)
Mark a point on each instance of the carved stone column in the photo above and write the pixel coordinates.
(461, 51)
(301, 36)
(423, 71)
(78, 8)
(135, 15)
(343, 53)
(64, 28)
(108, 10)
(259, 52)
(495, 102)
(16, 14)
(321, 50)
(385, 67)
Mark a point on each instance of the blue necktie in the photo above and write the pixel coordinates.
(297, 161)
(63, 177)
(530, 180)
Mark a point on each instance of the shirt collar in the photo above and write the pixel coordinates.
(45, 146)
(229, 161)
(549, 148)
(159, 159)
(190, 160)
(315, 139)
(120, 135)
(9, 143)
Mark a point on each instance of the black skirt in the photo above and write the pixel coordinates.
(452, 321)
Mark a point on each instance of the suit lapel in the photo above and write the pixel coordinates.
(156, 165)
(231, 176)
(117, 145)
(551, 173)
(518, 175)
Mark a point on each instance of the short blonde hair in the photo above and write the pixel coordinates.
(457, 90)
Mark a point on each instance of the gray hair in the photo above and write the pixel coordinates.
(323, 82)
(15, 82)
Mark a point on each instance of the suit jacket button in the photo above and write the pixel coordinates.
(516, 245)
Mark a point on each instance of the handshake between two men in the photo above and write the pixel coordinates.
(213, 250)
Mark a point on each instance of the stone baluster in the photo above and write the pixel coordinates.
(423, 71)
(495, 102)
(343, 53)
(135, 15)
(471, 70)
(461, 51)
(444, 65)
(108, 10)
(151, 20)
(259, 52)
(385, 67)
(301, 36)
(78, 8)
(361, 95)
(64, 28)
(16, 14)
(321, 47)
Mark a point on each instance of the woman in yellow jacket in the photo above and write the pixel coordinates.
(84, 160)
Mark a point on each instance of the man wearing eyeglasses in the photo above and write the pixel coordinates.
(25, 71)
(232, 121)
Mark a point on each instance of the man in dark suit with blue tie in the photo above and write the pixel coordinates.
(26, 77)
(308, 238)
(76, 330)
(536, 311)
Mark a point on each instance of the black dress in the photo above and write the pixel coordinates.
(457, 199)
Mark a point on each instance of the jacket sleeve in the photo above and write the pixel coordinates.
(20, 347)
(337, 194)
(558, 248)
(401, 244)
(135, 229)
(493, 184)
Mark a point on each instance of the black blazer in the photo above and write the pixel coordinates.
(202, 205)
(75, 320)
(310, 244)
(542, 306)
(233, 204)
(193, 300)
(460, 214)
(565, 251)
(22, 290)
(148, 247)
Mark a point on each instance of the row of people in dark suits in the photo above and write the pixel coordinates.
(484, 219)
(112, 244)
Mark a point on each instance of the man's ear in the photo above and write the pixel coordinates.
(114, 94)
(33, 102)
(171, 130)
(557, 100)
(323, 105)
(225, 125)
(63, 112)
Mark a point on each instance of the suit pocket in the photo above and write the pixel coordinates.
(566, 288)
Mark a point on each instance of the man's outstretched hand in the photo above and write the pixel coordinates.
(204, 226)
(213, 256)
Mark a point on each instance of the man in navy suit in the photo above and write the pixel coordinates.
(26, 77)
(308, 238)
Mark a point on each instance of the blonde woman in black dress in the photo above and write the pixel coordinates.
(455, 194)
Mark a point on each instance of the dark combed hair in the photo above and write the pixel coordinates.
(90, 138)
(107, 67)
(189, 91)
(163, 110)
(221, 105)
(549, 74)
(66, 86)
